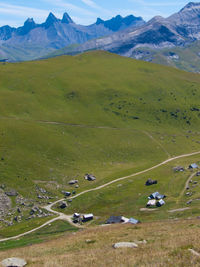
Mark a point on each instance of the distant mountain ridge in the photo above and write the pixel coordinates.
(179, 30)
(57, 33)
(130, 36)
(119, 23)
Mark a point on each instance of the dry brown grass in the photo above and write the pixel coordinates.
(167, 245)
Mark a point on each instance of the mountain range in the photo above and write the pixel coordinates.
(155, 41)
(24, 43)
(179, 29)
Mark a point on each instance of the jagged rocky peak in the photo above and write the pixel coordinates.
(99, 21)
(119, 22)
(29, 25)
(191, 5)
(67, 19)
(189, 15)
(29, 22)
(51, 19)
(130, 19)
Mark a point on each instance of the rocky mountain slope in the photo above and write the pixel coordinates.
(186, 58)
(25, 42)
(179, 30)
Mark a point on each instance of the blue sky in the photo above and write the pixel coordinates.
(15, 12)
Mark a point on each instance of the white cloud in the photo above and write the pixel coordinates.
(90, 3)
(22, 11)
(145, 4)
(70, 7)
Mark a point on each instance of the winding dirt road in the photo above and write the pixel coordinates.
(62, 216)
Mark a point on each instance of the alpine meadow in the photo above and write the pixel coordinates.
(100, 152)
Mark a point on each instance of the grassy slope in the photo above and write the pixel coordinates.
(167, 245)
(94, 89)
(49, 232)
(128, 197)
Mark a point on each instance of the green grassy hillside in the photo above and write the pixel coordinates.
(92, 113)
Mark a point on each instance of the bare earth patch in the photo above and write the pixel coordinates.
(183, 209)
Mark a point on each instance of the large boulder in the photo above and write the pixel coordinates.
(125, 245)
(12, 193)
(13, 262)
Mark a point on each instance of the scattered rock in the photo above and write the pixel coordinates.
(5, 203)
(16, 218)
(13, 262)
(189, 202)
(19, 210)
(43, 191)
(125, 245)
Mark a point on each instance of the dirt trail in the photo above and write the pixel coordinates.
(187, 184)
(62, 216)
(177, 210)
(158, 143)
